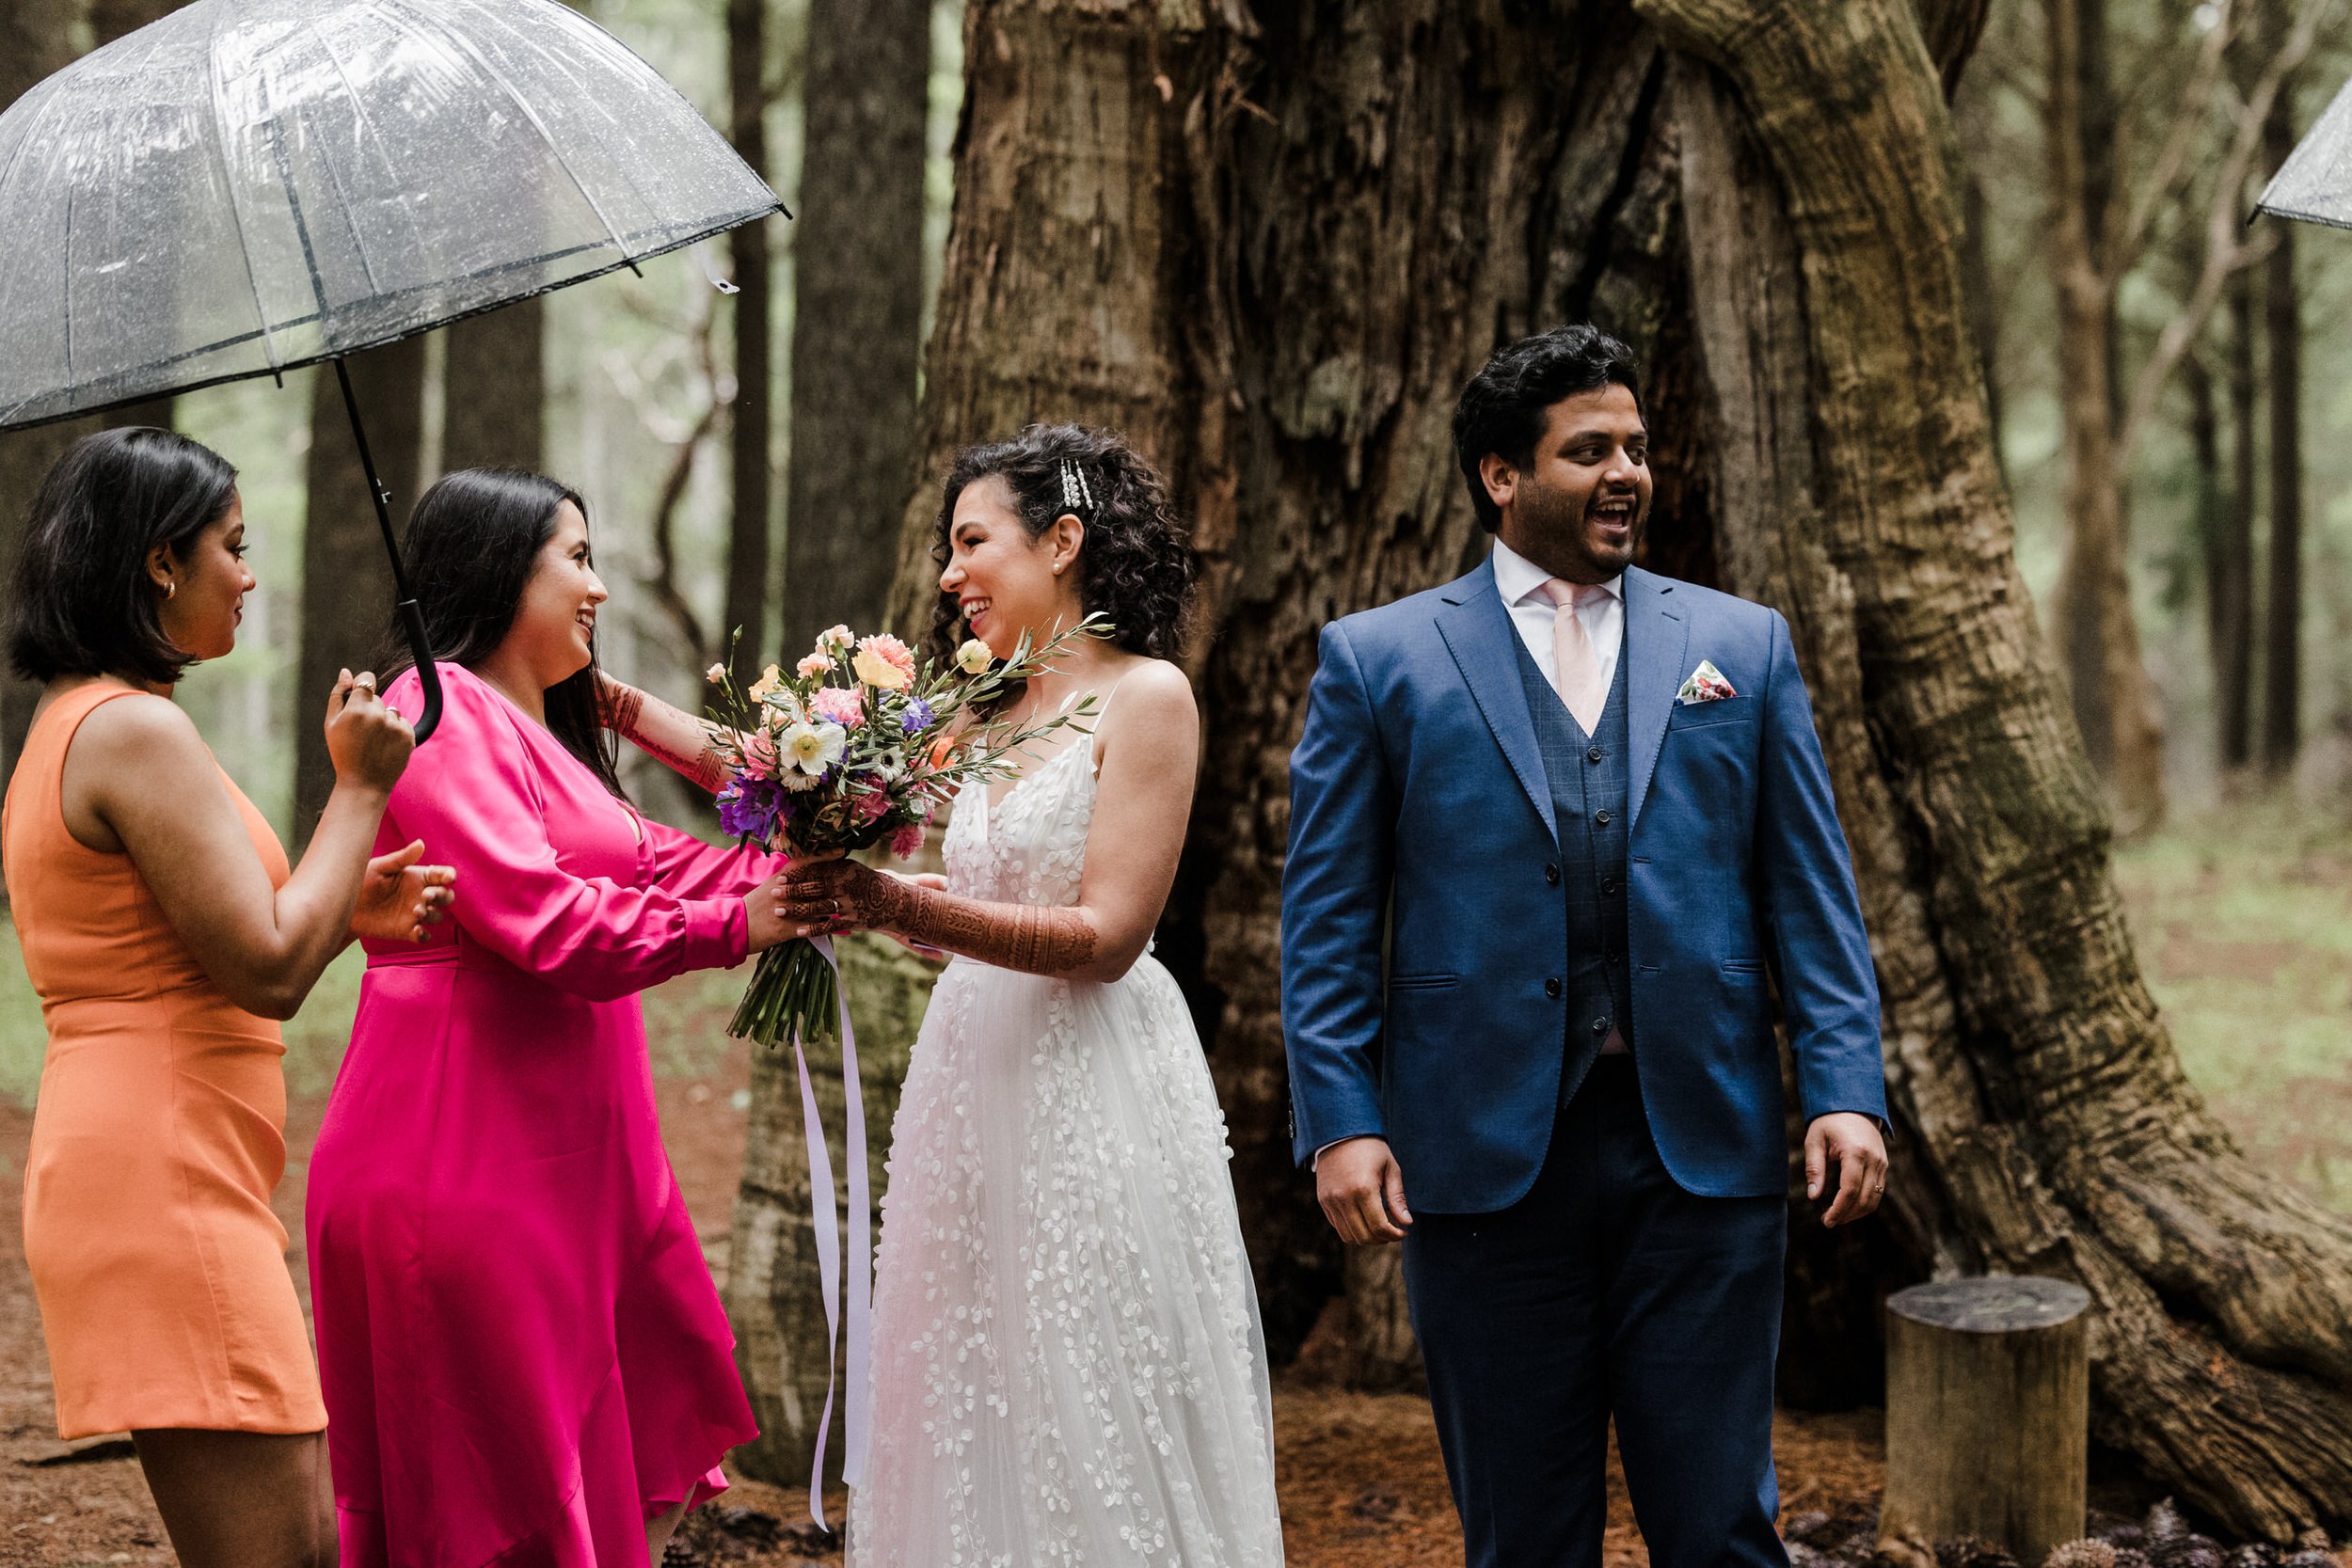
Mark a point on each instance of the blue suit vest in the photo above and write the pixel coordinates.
(1590, 784)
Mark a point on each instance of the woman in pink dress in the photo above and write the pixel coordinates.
(524, 1357)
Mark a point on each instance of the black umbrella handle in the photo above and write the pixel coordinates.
(411, 613)
(412, 618)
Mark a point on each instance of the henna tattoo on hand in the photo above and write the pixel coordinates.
(1031, 938)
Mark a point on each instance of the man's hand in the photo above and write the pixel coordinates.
(1362, 1191)
(1850, 1142)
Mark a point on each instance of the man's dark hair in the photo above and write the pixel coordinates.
(82, 604)
(1502, 409)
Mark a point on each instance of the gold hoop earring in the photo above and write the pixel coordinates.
(170, 588)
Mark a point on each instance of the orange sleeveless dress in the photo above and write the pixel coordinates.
(159, 1266)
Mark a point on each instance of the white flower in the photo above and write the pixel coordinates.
(974, 657)
(836, 641)
(813, 748)
(716, 674)
(887, 766)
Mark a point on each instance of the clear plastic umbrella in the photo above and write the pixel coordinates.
(2315, 181)
(250, 185)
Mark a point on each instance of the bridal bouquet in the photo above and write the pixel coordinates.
(856, 746)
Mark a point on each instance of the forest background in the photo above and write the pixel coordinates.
(2167, 399)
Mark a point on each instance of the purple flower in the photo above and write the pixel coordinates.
(917, 717)
(748, 807)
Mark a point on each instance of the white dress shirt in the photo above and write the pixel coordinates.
(1521, 582)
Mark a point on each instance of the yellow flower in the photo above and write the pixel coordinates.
(876, 670)
(974, 657)
(769, 680)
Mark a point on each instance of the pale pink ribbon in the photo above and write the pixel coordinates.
(858, 1400)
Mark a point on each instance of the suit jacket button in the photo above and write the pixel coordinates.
(1600, 1027)
(1594, 755)
(1551, 987)
(1601, 817)
(1552, 874)
(1609, 886)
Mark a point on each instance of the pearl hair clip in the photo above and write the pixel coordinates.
(1077, 497)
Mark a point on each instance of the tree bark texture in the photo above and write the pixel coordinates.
(346, 580)
(857, 314)
(495, 390)
(2098, 635)
(2043, 1122)
(2282, 310)
(36, 39)
(1271, 244)
(773, 1296)
(752, 435)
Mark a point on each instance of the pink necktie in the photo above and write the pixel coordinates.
(1575, 667)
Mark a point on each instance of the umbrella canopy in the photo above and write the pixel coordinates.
(250, 185)
(2315, 181)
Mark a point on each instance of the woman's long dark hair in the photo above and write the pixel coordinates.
(1138, 566)
(82, 603)
(472, 545)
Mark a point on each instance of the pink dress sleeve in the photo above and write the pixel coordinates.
(693, 869)
(472, 794)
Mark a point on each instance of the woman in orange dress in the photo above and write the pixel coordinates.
(164, 935)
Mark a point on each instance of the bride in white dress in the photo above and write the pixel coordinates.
(1068, 1363)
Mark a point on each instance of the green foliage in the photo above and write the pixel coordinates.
(2243, 923)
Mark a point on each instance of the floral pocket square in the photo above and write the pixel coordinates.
(1706, 685)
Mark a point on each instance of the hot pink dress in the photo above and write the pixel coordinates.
(523, 1354)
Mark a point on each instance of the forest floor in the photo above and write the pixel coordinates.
(2248, 943)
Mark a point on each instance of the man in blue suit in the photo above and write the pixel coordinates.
(1554, 827)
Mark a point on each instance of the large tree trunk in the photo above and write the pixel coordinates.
(2232, 584)
(346, 580)
(36, 39)
(857, 310)
(494, 383)
(2114, 701)
(2045, 1124)
(2283, 302)
(744, 609)
(1272, 244)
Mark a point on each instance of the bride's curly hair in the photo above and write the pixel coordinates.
(1138, 566)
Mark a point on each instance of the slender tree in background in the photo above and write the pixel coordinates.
(1283, 238)
(495, 390)
(2229, 579)
(2114, 701)
(2282, 609)
(752, 438)
(36, 39)
(346, 580)
(857, 309)
(856, 337)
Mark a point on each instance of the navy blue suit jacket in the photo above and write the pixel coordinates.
(1419, 928)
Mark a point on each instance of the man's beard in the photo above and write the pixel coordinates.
(1563, 528)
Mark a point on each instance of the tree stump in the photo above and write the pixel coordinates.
(1988, 1398)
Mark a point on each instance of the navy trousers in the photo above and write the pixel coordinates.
(1607, 1291)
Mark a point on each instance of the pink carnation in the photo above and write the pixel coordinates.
(759, 756)
(870, 808)
(907, 841)
(885, 646)
(840, 704)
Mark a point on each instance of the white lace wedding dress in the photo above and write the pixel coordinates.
(1068, 1367)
